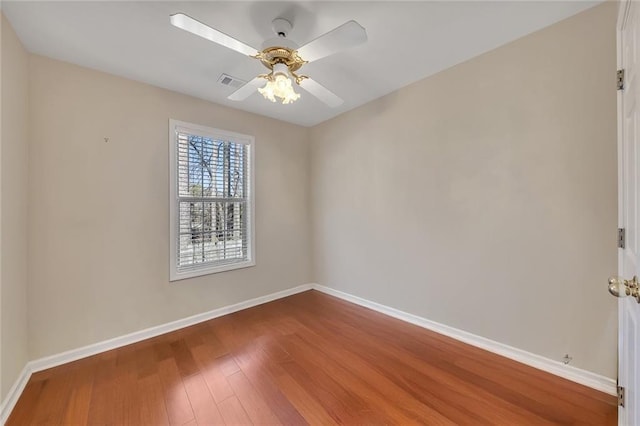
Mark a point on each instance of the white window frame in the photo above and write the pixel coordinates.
(176, 126)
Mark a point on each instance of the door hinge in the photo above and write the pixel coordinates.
(620, 79)
(622, 237)
(620, 396)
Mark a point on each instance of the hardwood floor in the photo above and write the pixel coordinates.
(307, 359)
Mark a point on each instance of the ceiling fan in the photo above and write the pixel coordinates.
(282, 57)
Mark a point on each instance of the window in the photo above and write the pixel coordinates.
(211, 200)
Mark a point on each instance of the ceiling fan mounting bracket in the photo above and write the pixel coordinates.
(281, 27)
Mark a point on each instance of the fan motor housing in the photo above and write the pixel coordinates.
(281, 55)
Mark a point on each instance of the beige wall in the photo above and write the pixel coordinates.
(484, 197)
(13, 208)
(99, 212)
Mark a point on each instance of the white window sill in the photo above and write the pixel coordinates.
(181, 275)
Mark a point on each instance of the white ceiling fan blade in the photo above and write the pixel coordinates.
(193, 26)
(247, 90)
(345, 36)
(321, 92)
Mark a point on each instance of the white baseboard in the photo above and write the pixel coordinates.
(14, 393)
(106, 345)
(137, 336)
(577, 375)
(583, 377)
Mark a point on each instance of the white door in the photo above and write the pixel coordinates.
(628, 186)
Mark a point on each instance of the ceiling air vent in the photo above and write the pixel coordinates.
(234, 82)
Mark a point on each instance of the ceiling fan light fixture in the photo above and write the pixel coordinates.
(279, 86)
(282, 57)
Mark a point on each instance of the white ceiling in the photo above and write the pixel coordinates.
(407, 42)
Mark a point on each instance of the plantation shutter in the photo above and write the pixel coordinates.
(212, 202)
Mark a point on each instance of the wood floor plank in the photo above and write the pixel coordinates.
(176, 399)
(151, 408)
(233, 413)
(254, 405)
(204, 407)
(184, 358)
(312, 410)
(52, 400)
(112, 399)
(77, 409)
(22, 413)
(212, 374)
(228, 365)
(105, 402)
(260, 372)
(305, 359)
